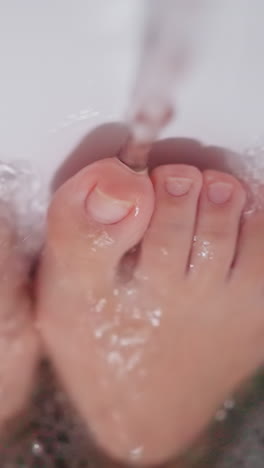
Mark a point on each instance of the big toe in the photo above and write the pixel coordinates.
(97, 216)
(94, 219)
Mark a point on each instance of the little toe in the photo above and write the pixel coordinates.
(168, 240)
(221, 204)
(250, 253)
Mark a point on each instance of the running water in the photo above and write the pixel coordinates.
(52, 436)
(175, 35)
(172, 32)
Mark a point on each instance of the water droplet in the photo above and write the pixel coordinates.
(221, 415)
(154, 322)
(136, 452)
(115, 358)
(100, 305)
(37, 448)
(229, 404)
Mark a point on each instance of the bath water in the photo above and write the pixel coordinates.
(174, 30)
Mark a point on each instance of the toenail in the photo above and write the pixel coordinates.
(106, 209)
(220, 192)
(178, 186)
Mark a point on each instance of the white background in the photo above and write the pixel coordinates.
(68, 65)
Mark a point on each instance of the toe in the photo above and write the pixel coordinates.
(168, 240)
(94, 219)
(250, 253)
(221, 203)
(98, 215)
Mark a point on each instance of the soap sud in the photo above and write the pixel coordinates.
(124, 351)
(37, 448)
(222, 413)
(136, 452)
(250, 170)
(22, 196)
(103, 240)
(115, 358)
(136, 313)
(154, 322)
(133, 361)
(131, 291)
(126, 332)
(205, 250)
(21, 192)
(154, 317)
(136, 211)
(124, 347)
(101, 305)
(132, 340)
(48, 431)
(123, 364)
(100, 331)
(229, 404)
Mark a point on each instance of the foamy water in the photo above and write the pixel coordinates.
(24, 201)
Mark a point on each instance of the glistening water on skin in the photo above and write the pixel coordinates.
(142, 335)
(142, 342)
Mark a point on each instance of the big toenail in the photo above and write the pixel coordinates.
(106, 209)
(178, 186)
(220, 192)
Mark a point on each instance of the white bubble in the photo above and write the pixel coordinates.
(220, 415)
(154, 322)
(136, 452)
(100, 304)
(103, 240)
(229, 404)
(133, 361)
(37, 448)
(100, 331)
(132, 340)
(115, 358)
(155, 317)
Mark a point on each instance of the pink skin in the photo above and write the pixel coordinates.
(192, 312)
(94, 219)
(19, 342)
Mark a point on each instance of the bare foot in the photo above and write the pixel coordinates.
(148, 358)
(18, 339)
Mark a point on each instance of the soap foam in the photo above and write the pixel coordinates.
(249, 168)
(24, 200)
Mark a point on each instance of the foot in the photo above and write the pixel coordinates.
(18, 339)
(149, 352)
